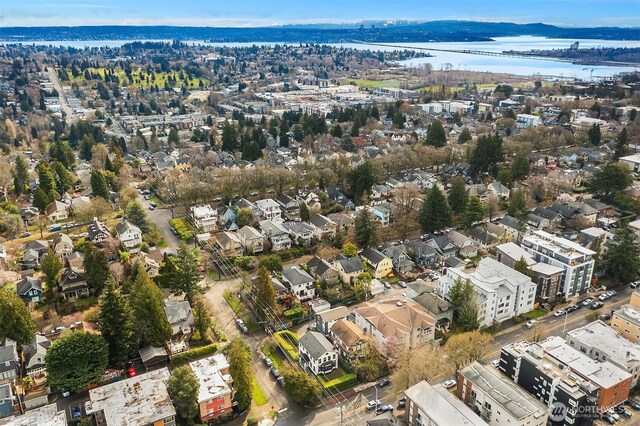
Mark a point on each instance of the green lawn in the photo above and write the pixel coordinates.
(156, 200)
(338, 380)
(372, 84)
(535, 313)
(139, 78)
(275, 356)
(257, 395)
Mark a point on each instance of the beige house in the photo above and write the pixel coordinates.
(381, 265)
(348, 339)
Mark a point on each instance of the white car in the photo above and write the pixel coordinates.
(495, 363)
(603, 297)
(88, 407)
(372, 404)
(559, 313)
(531, 323)
(448, 384)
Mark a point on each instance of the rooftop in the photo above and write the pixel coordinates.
(43, 416)
(212, 373)
(566, 248)
(608, 341)
(316, 344)
(629, 313)
(395, 317)
(441, 406)
(139, 400)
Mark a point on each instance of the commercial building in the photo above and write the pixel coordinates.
(576, 260)
(429, 405)
(498, 400)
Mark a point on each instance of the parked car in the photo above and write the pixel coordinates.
(151, 207)
(622, 411)
(559, 313)
(597, 305)
(607, 418)
(146, 197)
(274, 372)
(131, 372)
(603, 297)
(402, 284)
(605, 316)
(384, 382)
(267, 361)
(241, 325)
(611, 293)
(88, 407)
(634, 284)
(633, 404)
(587, 302)
(372, 404)
(76, 413)
(280, 381)
(448, 384)
(402, 402)
(530, 323)
(495, 363)
(384, 409)
(387, 285)
(613, 414)
(65, 393)
(153, 204)
(25, 234)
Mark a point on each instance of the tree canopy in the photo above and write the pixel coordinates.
(302, 388)
(435, 213)
(15, 319)
(186, 276)
(183, 387)
(622, 259)
(487, 155)
(116, 324)
(362, 179)
(611, 179)
(239, 355)
(458, 195)
(436, 135)
(151, 324)
(366, 229)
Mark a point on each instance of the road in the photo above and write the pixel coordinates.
(160, 218)
(71, 117)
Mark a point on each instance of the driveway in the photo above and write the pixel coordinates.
(160, 218)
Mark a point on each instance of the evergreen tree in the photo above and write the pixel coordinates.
(173, 138)
(284, 134)
(610, 180)
(594, 135)
(462, 297)
(304, 212)
(621, 142)
(473, 212)
(435, 213)
(96, 267)
(51, 265)
(458, 195)
(436, 135)
(265, 295)
(465, 136)
(20, 176)
(520, 167)
(487, 155)
(186, 276)
(15, 319)
(229, 137)
(366, 230)
(41, 200)
(517, 205)
(522, 266)
(362, 179)
(504, 175)
(398, 120)
(336, 131)
(183, 388)
(201, 320)
(151, 323)
(46, 177)
(116, 324)
(63, 177)
(622, 259)
(136, 215)
(240, 369)
(99, 187)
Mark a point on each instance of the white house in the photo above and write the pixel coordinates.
(204, 217)
(251, 239)
(128, 234)
(299, 282)
(501, 292)
(317, 354)
(269, 209)
(527, 120)
(277, 235)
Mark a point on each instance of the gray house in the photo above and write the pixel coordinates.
(326, 319)
(34, 354)
(9, 361)
(180, 316)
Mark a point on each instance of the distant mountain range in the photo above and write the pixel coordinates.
(368, 31)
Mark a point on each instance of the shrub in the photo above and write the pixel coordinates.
(183, 232)
(144, 247)
(289, 342)
(343, 382)
(252, 421)
(195, 353)
(242, 261)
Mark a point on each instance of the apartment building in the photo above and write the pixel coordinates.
(498, 400)
(576, 260)
(215, 393)
(501, 292)
(429, 405)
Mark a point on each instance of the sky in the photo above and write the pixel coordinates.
(247, 13)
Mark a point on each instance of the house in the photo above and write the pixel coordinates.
(150, 265)
(73, 284)
(554, 219)
(603, 343)
(34, 354)
(119, 403)
(29, 289)
(576, 261)
(180, 316)
(381, 265)
(269, 210)
(335, 194)
(325, 320)
(499, 190)
(443, 245)
(301, 233)
(465, 245)
(513, 228)
(382, 213)
(129, 234)
(204, 217)
(395, 323)
(492, 395)
(437, 307)
(98, 232)
(6, 401)
(343, 220)
(153, 356)
(483, 237)
(537, 222)
(277, 235)
(323, 271)
(75, 260)
(324, 227)
(56, 211)
(251, 239)
(423, 254)
(349, 268)
(215, 392)
(229, 243)
(436, 406)
(9, 361)
(226, 214)
(33, 252)
(299, 282)
(62, 245)
(348, 339)
(290, 206)
(317, 354)
(402, 263)
(243, 203)
(501, 292)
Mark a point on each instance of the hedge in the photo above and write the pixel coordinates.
(341, 383)
(195, 353)
(287, 339)
(183, 232)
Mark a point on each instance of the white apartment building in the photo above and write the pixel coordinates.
(501, 292)
(204, 217)
(576, 260)
(527, 120)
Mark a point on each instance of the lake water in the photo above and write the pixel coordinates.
(459, 61)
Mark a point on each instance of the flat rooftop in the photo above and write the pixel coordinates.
(43, 416)
(139, 400)
(607, 340)
(213, 383)
(629, 313)
(559, 245)
(442, 407)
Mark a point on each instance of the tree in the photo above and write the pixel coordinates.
(151, 323)
(349, 249)
(414, 365)
(596, 247)
(272, 263)
(15, 319)
(265, 295)
(594, 135)
(465, 136)
(491, 205)
(46, 177)
(466, 348)
(51, 265)
(229, 137)
(201, 320)
(361, 180)
(487, 155)
(504, 175)
(136, 215)
(435, 213)
(244, 216)
(186, 277)
(96, 267)
(99, 186)
(372, 364)
(522, 266)
(300, 386)
(116, 324)
(173, 138)
(517, 205)
(183, 387)
(97, 207)
(621, 142)
(458, 195)
(76, 360)
(436, 135)
(20, 176)
(365, 229)
(520, 167)
(622, 260)
(40, 199)
(611, 179)
(473, 212)
(462, 297)
(304, 212)
(239, 355)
